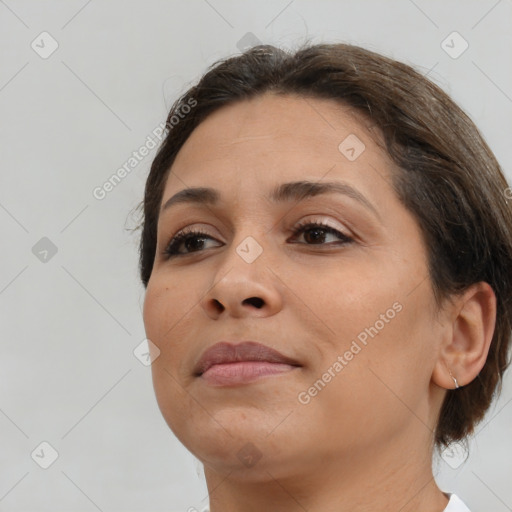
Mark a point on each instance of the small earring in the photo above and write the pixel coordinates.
(454, 380)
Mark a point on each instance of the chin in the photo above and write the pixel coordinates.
(244, 447)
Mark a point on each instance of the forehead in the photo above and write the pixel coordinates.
(275, 138)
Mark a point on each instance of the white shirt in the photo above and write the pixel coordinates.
(454, 505)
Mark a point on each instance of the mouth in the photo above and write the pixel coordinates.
(226, 364)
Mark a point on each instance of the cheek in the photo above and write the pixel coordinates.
(169, 314)
(392, 353)
(155, 315)
(374, 322)
(380, 386)
(167, 304)
(165, 322)
(349, 297)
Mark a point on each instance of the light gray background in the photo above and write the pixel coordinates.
(69, 325)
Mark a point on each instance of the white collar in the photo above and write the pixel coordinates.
(455, 504)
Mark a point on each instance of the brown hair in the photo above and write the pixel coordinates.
(447, 177)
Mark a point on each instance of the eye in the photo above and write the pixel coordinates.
(194, 240)
(316, 232)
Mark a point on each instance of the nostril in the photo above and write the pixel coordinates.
(218, 305)
(255, 301)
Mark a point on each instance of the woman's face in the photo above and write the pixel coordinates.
(351, 307)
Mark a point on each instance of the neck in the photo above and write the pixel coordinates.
(393, 479)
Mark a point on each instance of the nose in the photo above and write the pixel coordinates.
(242, 287)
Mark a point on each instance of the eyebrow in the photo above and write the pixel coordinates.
(295, 190)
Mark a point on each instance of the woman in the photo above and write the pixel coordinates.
(327, 255)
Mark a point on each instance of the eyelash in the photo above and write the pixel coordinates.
(170, 250)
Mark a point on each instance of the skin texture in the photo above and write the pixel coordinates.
(364, 442)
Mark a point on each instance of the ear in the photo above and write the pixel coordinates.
(467, 336)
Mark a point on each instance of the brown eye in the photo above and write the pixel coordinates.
(315, 233)
(193, 241)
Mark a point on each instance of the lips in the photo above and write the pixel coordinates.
(226, 353)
